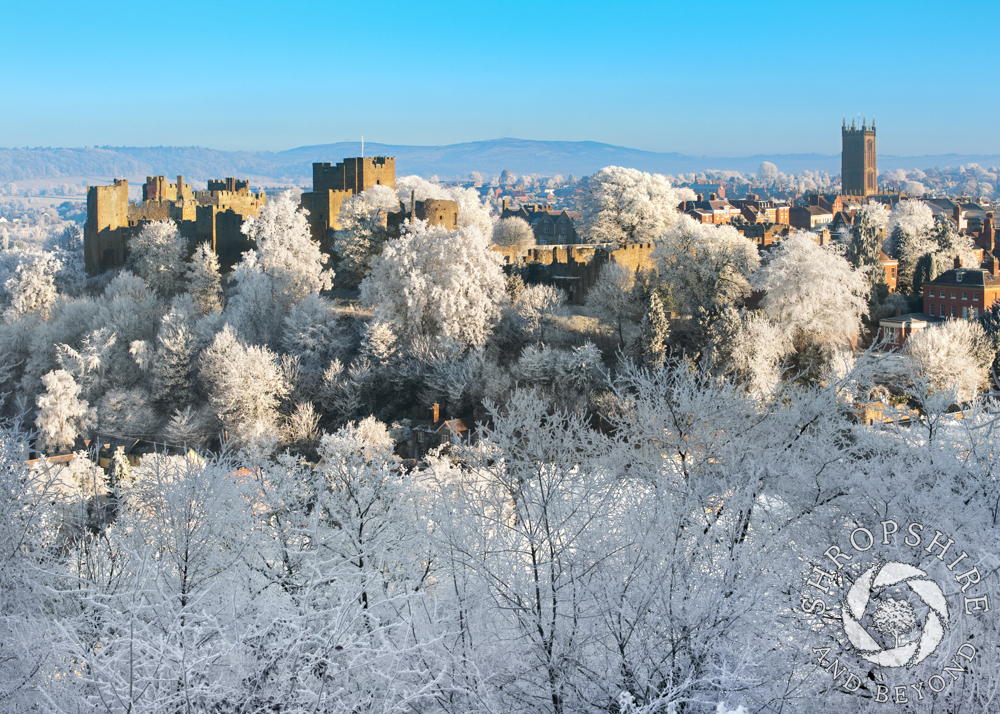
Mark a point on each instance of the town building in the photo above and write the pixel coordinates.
(962, 292)
(549, 226)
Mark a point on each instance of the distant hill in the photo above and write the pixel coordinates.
(448, 162)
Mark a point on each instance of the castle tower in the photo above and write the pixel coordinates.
(858, 165)
(107, 219)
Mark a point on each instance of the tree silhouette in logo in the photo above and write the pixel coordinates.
(894, 618)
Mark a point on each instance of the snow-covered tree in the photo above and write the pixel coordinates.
(811, 294)
(62, 415)
(363, 233)
(655, 330)
(286, 252)
(628, 206)
(431, 283)
(204, 280)
(157, 256)
(514, 232)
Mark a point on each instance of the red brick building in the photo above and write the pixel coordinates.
(962, 292)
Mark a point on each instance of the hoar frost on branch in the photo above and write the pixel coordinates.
(812, 294)
(432, 283)
(622, 205)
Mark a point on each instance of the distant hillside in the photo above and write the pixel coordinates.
(455, 161)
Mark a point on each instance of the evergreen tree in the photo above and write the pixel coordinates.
(204, 280)
(173, 361)
(655, 331)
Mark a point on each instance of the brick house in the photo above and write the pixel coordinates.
(962, 292)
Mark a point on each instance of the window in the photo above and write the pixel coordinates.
(965, 311)
(975, 297)
(975, 312)
(965, 296)
(930, 293)
(953, 314)
(952, 294)
(930, 309)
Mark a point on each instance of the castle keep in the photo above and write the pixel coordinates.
(858, 166)
(332, 184)
(214, 216)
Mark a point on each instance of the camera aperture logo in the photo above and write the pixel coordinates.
(895, 614)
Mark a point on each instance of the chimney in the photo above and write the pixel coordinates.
(957, 212)
(958, 262)
(899, 311)
(436, 412)
(995, 266)
(506, 204)
(700, 197)
(712, 197)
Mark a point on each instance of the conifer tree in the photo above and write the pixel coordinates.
(204, 280)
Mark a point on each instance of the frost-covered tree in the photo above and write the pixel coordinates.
(432, 283)
(655, 330)
(363, 233)
(62, 414)
(173, 362)
(286, 252)
(628, 206)
(768, 173)
(157, 256)
(954, 357)
(952, 245)
(127, 414)
(812, 294)
(705, 266)
(471, 211)
(910, 227)
(866, 240)
(204, 280)
(513, 232)
(616, 297)
(31, 290)
(245, 386)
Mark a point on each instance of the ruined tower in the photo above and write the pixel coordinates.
(858, 166)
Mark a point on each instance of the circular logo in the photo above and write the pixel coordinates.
(894, 618)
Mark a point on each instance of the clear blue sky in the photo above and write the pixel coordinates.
(712, 78)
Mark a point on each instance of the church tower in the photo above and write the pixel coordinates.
(858, 166)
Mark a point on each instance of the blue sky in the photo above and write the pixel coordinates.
(716, 79)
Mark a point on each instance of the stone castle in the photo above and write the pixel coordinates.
(213, 216)
(333, 184)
